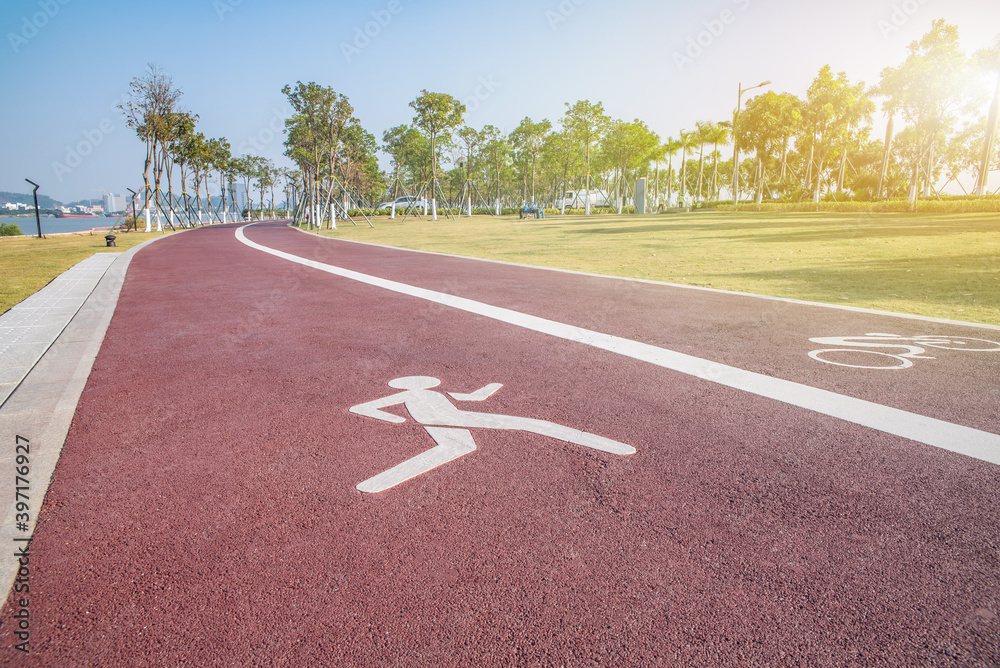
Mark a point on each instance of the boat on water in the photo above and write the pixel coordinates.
(77, 215)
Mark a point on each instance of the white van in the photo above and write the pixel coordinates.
(405, 203)
(577, 199)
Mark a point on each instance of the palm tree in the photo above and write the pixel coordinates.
(703, 135)
(719, 135)
(670, 148)
(687, 140)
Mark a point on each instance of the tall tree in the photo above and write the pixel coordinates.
(587, 122)
(470, 140)
(263, 175)
(195, 154)
(629, 147)
(670, 148)
(834, 109)
(719, 135)
(927, 90)
(436, 114)
(768, 124)
(704, 132)
(497, 150)
(989, 60)
(306, 132)
(528, 138)
(219, 159)
(687, 141)
(180, 134)
(151, 98)
(396, 143)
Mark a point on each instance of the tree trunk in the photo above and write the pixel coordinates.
(809, 166)
(670, 179)
(434, 215)
(886, 152)
(988, 143)
(714, 190)
(929, 174)
(395, 190)
(701, 171)
(682, 192)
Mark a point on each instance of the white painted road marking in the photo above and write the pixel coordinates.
(451, 444)
(479, 395)
(433, 408)
(920, 428)
(895, 341)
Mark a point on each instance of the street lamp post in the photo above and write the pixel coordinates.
(135, 215)
(38, 218)
(736, 144)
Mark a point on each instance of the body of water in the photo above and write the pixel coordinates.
(52, 225)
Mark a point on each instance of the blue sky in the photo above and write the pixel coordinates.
(65, 64)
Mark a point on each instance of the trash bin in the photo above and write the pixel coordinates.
(111, 240)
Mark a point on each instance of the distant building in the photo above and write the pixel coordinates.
(240, 195)
(114, 203)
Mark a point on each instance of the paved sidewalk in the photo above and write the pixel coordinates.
(48, 344)
(29, 328)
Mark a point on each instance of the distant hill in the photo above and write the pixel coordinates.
(44, 201)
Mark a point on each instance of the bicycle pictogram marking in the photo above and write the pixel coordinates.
(905, 348)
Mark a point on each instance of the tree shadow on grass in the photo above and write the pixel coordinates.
(816, 227)
(962, 280)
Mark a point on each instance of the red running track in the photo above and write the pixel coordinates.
(204, 509)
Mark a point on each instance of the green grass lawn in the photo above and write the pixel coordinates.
(945, 266)
(28, 264)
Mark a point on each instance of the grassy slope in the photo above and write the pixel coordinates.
(27, 264)
(946, 266)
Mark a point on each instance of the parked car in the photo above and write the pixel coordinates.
(577, 199)
(404, 203)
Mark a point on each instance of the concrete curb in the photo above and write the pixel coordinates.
(41, 408)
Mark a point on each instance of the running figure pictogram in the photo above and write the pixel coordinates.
(449, 427)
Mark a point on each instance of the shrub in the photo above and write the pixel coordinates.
(949, 205)
(10, 230)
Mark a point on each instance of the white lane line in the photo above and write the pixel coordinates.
(938, 433)
(665, 284)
